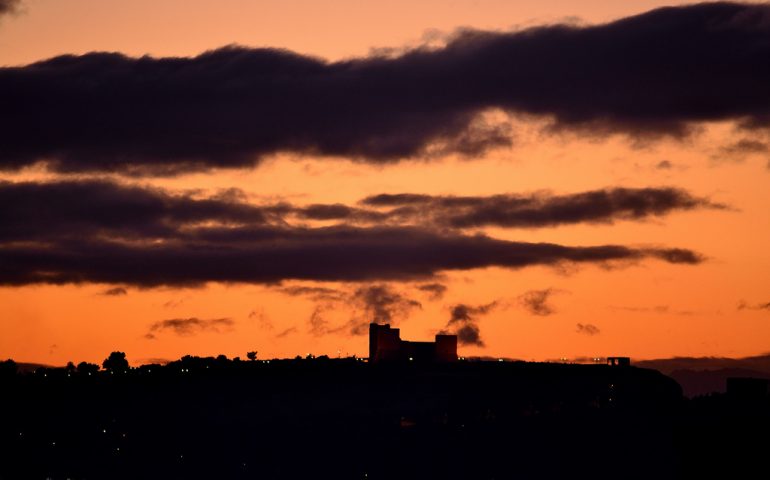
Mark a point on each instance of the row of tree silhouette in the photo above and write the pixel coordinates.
(117, 363)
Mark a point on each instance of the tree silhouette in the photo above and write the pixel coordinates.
(251, 355)
(85, 368)
(116, 363)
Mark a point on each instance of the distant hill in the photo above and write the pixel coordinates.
(702, 382)
(704, 375)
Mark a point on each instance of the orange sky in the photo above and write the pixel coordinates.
(649, 310)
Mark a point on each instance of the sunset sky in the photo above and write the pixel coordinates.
(547, 179)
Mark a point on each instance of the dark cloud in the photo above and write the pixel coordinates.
(742, 305)
(96, 208)
(327, 212)
(540, 209)
(338, 211)
(587, 329)
(190, 326)
(397, 199)
(648, 75)
(9, 6)
(463, 322)
(536, 301)
(246, 255)
(102, 232)
(469, 334)
(101, 209)
(379, 304)
(115, 292)
(664, 165)
(435, 291)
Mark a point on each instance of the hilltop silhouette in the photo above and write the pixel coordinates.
(316, 417)
(410, 410)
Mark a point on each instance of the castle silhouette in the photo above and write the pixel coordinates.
(385, 345)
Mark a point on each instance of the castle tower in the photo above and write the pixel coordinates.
(384, 342)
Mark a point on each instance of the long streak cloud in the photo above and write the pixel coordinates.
(94, 231)
(35, 211)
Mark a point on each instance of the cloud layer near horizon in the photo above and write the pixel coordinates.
(658, 73)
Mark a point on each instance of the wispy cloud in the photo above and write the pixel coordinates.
(739, 150)
(364, 304)
(463, 322)
(538, 210)
(743, 305)
(287, 332)
(536, 302)
(435, 291)
(258, 315)
(655, 309)
(114, 292)
(190, 326)
(587, 329)
(315, 293)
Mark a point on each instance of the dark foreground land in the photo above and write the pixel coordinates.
(339, 419)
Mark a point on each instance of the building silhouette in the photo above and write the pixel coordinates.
(619, 361)
(385, 345)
